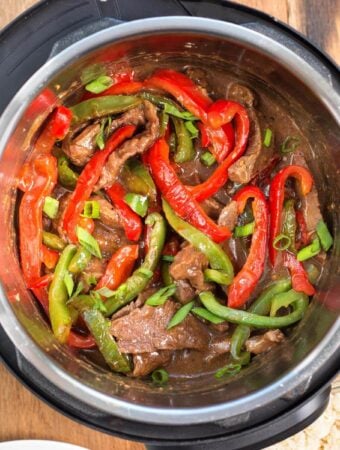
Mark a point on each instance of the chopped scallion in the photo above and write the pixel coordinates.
(91, 209)
(228, 371)
(180, 315)
(268, 134)
(99, 85)
(193, 130)
(208, 159)
(86, 240)
(325, 236)
(138, 203)
(207, 315)
(160, 376)
(290, 144)
(244, 230)
(69, 283)
(168, 258)
(173, 111)
(311, 250)
(100, 138)
(217, 276)
(105, 292)
(91, 279)
(282, 242)
(51, 206)
(79, 288)
(161, 296)
(98, 303)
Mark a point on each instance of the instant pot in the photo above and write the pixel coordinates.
(55, 46)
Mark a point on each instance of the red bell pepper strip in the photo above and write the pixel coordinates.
(218, 114)
(178, 196)
(132, 223)
(299, 276)
(30, 216)
(49, 257)
(119, 267)
(194, 100)
(246, 280)
(88, 179)
(25, 177)
(79, 341)
(87, 223)
(42, 282)
(276, 198)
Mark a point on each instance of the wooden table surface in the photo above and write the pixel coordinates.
(22, 415)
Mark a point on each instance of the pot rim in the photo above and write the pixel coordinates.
(43, 363)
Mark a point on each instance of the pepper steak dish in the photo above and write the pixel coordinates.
(166, 230)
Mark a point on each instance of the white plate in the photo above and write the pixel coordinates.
(38, 445)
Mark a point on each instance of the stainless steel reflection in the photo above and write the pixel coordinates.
(311, 93)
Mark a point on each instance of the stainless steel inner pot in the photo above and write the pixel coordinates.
(312, 96)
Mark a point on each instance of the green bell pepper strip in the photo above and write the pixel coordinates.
(138, 281)
(169, 106)
(53, 241)
(102, 106)
(165, 272)
(185, 149)
(164, 120)
(218, 259)
(137, 178)
(284, 299)
(66, 176)
(60, 316)
(99, 327)
(80, 260)
(255, 320)
(261, 306)
(289, 224)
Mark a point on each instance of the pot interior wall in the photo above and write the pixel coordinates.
(218, 57)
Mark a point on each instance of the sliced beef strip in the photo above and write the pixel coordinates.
(228, 216)
(109, 216)
(80, 147)
(218, 346)
(144, 330)
(134, 116)
(184, 291)
(139, 302)
(109, 239)
(189, 265)
(263, 343)
(212, 207)
(145, 363)
(57, 222)
(242, 94)
(199, 76)
(134, 146)
(310, 205)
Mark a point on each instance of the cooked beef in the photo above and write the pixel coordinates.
(228, 216)
(140, 300)
(212, 207)
(57, 222)
(79, 147)
(144, 330)
(184, 291)
(134, 116)
(109, 239)
(254, 159)
(109, 216)
(264, 342)
(145, 363)
(218, 346)
(96, 267)
(310, 205)
(134, 146)
(199, 76)
(189, 265)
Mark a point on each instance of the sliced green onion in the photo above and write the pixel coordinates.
(160, 376)
(91, 209)
(290, 144)
(173, 111)
(105, 292)
(147, 272)
(168, 258)
(91, 280)
(282, 242)
(79, 288)
(208, 159)
(99, 85)
(244, 230)
(193, 130)
(311, 250)
(138, 203)
(51, 206)
(207, 315)
(325, 236)
(217, 276)
(283, 300)
(98, 303)
(228, 371)
(86, 240)
(180, 315)
(161, 296)
(100, 138)
(69, 283)
(268, 134)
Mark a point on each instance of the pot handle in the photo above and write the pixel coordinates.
(81, 33)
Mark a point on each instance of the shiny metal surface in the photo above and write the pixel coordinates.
(312, 94)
